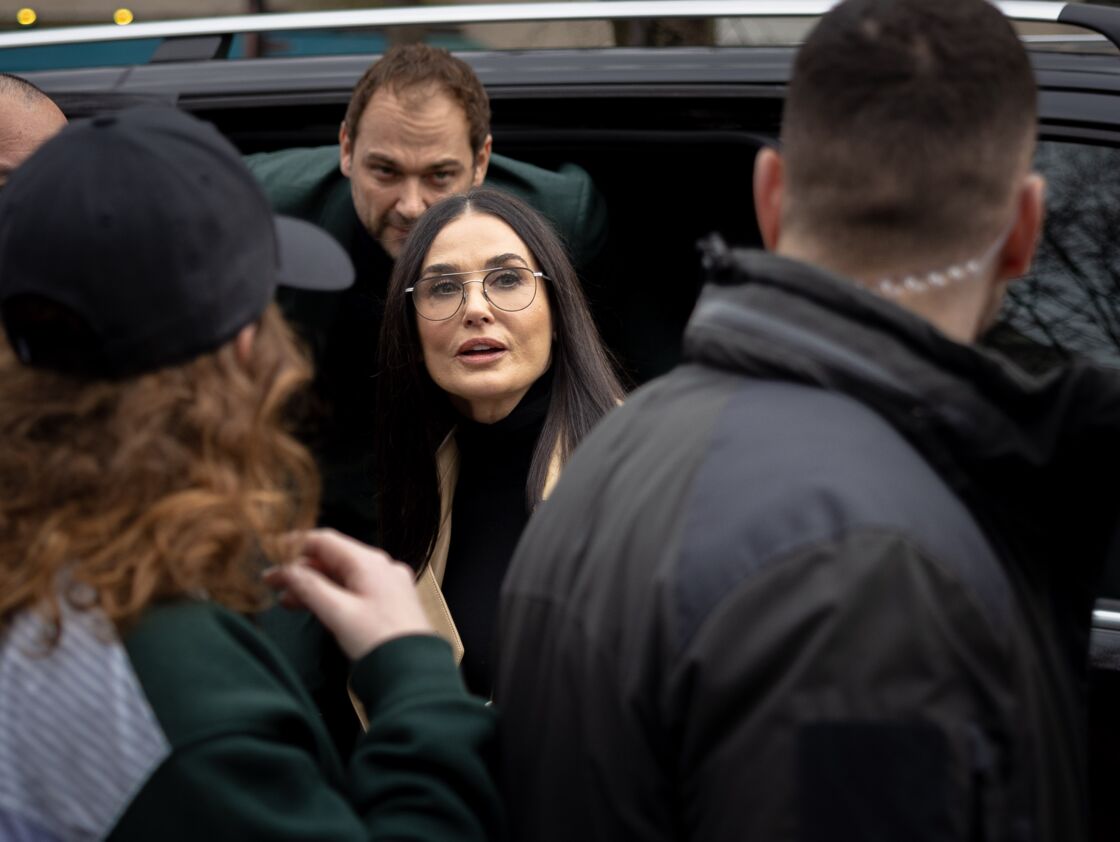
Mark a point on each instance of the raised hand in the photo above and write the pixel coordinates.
(358, 592)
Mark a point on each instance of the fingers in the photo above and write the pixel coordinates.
(304, 587)
(275, 579)
(360, 594)
(343, 559)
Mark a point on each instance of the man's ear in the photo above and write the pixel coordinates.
(1018, 250)
(769, 184)
(243, 343)
(482, 162)
(345, 151)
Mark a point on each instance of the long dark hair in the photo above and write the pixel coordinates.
(414, 415)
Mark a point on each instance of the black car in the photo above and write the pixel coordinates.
(668, 125)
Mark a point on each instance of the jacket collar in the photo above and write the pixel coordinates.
(1021, 451)
(770, 316)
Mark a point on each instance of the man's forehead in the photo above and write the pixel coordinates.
(417, 131)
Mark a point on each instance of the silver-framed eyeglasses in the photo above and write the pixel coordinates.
(510, 288)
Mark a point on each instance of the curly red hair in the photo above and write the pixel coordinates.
(175, 483)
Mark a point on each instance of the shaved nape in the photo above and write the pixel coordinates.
(923, 159)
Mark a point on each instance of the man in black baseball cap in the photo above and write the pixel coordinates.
(139, 240)
(147, 474)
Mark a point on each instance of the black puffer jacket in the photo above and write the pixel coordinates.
(831, 578)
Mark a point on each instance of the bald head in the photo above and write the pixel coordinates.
(28, 117)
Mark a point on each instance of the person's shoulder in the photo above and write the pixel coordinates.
(164, 623)
(298, 165)
(78, 732)
(566, 196)
(204, 667)
(807, 464)
(304, 182)
(95, 717)
(793, 474)
(731, 475)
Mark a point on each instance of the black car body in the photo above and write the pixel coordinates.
(669, 135)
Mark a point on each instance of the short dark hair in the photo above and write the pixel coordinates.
(414, 415)
(10, 84)
(414, 67)
(909, 118)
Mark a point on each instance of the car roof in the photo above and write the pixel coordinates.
(208, 38)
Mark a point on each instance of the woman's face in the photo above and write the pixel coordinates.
(483, 357)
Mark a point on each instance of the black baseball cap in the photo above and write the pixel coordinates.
(138, 240)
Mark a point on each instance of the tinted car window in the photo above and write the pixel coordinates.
(1070, 302)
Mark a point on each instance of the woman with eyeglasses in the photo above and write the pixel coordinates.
(491, 372)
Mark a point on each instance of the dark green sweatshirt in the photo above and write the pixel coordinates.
(196, 728)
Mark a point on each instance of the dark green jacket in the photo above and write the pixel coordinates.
(195, 728)
(307, 183)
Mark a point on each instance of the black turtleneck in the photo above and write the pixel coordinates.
(488, 516)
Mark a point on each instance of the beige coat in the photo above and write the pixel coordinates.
(429, 583)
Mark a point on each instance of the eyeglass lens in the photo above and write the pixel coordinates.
(512, 288)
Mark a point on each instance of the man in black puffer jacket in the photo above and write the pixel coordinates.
(832, 577)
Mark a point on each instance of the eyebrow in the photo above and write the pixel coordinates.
(443, 164)
(374, 157)
(496, 262)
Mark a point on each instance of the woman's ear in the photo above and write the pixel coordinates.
(769, 184)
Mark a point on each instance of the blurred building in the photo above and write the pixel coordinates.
(51, 13)
(68, 12)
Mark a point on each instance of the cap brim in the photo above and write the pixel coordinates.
(310, 258)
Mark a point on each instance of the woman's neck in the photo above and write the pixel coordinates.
(533, 400)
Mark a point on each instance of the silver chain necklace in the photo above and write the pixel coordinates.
(940, 278)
